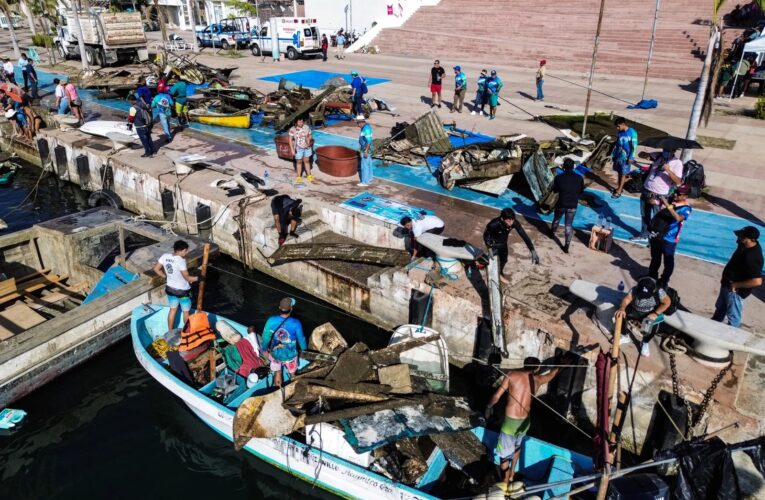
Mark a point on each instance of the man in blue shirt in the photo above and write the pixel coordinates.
(480, 94)
(178, 93)
(142, 91)
(357, 94)
(624, 153)
(340, 45)
(665, 246)
(365, 150)
(283, 340)
(493, 86)
(460, 88)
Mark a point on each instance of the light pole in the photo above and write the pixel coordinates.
(650, 50)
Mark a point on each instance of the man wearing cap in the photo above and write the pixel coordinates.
(541, 80)
(286, 212)
(434, 83)
(493, 86)
(480, 93)
(742, 274)
(460, 88)
(646, 300)
(357, 94)
(664, 246)
(496, 233)
(665, 172)
(283, 340)
(366, 171)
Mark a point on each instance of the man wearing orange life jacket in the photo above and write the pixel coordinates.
(172, 267)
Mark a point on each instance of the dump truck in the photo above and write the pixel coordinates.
(110, 37)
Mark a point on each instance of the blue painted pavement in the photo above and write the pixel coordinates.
(707, 235)
(313, 79)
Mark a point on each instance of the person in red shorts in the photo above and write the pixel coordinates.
(434, 83)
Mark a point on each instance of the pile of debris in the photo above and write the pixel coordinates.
(410, 144)
(381, 404)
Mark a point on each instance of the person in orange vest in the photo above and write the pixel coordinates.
(172, 267)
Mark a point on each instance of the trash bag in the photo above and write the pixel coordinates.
(397, 131)
(706, 471)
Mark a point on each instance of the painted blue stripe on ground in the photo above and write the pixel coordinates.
(707, 235)
(313, 79)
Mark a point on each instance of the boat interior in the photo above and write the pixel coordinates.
(540, 462)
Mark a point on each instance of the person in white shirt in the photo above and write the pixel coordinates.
(8, 71)
(416, 227)
(62, 103)
(665, 173)
(172, 266)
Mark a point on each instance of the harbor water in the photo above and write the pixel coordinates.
(106, 429)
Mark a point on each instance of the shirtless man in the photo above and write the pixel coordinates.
(520, 386)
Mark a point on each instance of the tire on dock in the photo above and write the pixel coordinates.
(104, 197)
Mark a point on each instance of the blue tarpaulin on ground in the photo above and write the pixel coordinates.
(313, 79)
(381, 208)
(644, 104)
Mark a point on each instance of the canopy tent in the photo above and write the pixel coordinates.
(756, 46)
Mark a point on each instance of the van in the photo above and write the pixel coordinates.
(298, 36)
(4, 21)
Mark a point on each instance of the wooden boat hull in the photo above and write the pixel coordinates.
(239, 120)
(310, 464)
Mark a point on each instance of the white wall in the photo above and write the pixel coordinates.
(331, 15)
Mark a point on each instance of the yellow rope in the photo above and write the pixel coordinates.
(159, 348)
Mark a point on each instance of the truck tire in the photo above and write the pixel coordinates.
(62, 52)
(292, 54)
(255, 50)
(224, 44)
(90, 57)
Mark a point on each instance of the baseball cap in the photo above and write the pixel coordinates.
(750, 232)
(543, 61)
(645, 287)
(683, 189)
(458, 68)
(354, 73)
(493, 72)
(10, 113)
(285, 305)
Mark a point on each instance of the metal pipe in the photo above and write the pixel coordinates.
(592, 66)
(650, 50)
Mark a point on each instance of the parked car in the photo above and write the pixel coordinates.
(222, 36)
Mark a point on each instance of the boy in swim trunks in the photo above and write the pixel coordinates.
(520, 386)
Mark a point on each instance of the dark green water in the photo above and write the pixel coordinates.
(105, 429)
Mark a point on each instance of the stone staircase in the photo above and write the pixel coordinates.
(511, 32)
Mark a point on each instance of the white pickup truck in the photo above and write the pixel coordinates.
(109, 37)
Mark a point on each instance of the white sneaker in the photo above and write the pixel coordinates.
(645, 351)
(481, 113)
(361, 184)
(625, 339)
(360, 117)
(472, 113)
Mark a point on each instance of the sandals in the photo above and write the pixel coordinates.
(615, 195)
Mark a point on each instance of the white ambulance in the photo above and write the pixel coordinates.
(298, 36)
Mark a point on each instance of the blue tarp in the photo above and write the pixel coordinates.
(115, 278)
(313, 79)
(382, 208)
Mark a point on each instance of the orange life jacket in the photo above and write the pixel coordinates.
(196, 332)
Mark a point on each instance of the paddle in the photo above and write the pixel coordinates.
(200, 299)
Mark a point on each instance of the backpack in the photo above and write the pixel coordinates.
(659, 226)
(364, 88)
(673, 296)
(694, 178)
(635, 182)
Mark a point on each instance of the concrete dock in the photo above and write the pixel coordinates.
(539, 313)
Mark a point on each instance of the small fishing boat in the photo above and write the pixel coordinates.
(105, 128)
(429, 361)
(239, 119)
(341, 475)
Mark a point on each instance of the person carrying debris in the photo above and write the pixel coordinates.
(741, 275)
(495, 236)
(460, 89)
(143, 91)
(665, 233)
(366, 171)
(520, 385)
(480, 94)
(623, 155)
(139, 117)
(493, 86)
(286, 212)
(173, 267)
(162, 109)
(178, 93)
(283, 340)
(416, 227)
(75, 103)
(434, 83)
(569, 185)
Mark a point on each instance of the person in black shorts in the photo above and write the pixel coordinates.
(286, 212)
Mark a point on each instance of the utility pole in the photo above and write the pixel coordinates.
(592, 67)
(650, 50)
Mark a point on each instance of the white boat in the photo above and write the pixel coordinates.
(429, 361)
(105, 128)
(312, 464)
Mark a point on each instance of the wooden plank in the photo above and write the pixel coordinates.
(34, 285)
(37, 274)
(19, 317)
(7, 287)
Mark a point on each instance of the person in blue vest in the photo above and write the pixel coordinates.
(480, 93)
(663, 246)
(139, 117)
(493, 86)
(623, 155)
(365, 150)
(358, 89)
(283, 340)
(460, 89)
